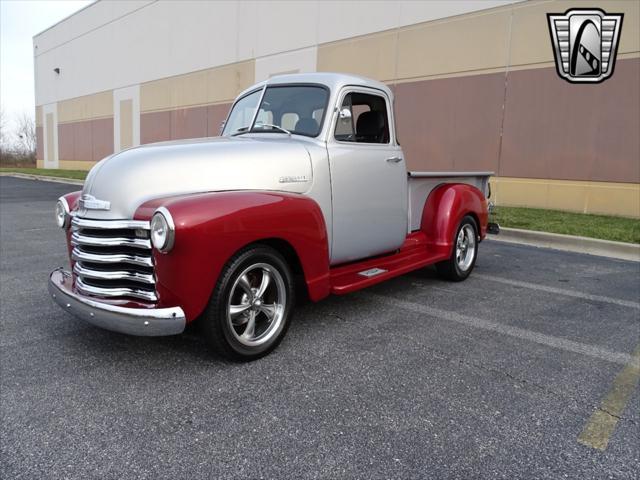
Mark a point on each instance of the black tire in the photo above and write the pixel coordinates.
(454, 269)
(228, 334)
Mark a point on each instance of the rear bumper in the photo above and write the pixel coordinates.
(132, 321)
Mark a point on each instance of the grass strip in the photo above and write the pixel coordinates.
(604, 227)
(48, 172)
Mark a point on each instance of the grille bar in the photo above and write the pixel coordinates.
(111, 292)
(85, 272)
(79, 239)
(113, 258)
(110, 224)
(80, 256)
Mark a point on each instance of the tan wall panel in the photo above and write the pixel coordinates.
(39, 163)
(38, 116)
(215, 85)
(614, 199)
(190, 89)
(460, 44)
(372, 56)
(225, 83)
(83, 108)
(126, 123)
(606, 198)
(530, 40)
(75, 165)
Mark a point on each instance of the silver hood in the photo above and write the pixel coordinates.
(129, 178)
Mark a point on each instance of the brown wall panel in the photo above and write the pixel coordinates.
(39, 143)
(182, 123)
(557, 130)
(102, 135)
(126, 123)
(83, 142)
(155, 127)
(189, 123)
(66, 141)
(452, 123)
(86, 141)
(216, 114)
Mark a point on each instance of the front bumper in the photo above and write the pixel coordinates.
(132, 321)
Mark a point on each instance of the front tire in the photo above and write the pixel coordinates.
(465, 251)
(252, 304)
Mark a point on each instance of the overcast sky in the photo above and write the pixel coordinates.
(20, 20)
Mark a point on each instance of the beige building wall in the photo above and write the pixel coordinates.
(475, 88)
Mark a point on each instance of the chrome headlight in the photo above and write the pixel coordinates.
(62, 213)
(163, 230)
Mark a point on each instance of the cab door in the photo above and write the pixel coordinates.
(368, 177)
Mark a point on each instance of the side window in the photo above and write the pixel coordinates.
(368, 121)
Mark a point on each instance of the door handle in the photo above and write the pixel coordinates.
(394, 159)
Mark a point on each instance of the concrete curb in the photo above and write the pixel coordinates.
(592, 246)
(42, 178)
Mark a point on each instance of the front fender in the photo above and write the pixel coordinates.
(72, 201)
(212, 227)
(445, 207)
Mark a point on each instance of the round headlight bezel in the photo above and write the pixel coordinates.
(62, 207)
(163, 243)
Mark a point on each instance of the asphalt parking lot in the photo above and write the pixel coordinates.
(515, 373)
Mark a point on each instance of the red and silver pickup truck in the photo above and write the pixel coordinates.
(306, 188)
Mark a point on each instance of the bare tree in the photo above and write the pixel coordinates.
(26, 135)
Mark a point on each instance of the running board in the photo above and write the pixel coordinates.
(356, 276)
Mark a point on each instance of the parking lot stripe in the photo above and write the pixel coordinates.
(603, 421)
(540, 338)
(558, 291)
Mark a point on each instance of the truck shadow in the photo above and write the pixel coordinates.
(312, 322)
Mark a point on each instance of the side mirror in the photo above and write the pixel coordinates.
(345, 114)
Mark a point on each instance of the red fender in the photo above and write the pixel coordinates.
(211, 227)
(72, 199)
(443, 211)
(72, 202)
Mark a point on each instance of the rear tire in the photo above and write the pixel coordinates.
(251, 306)
(464, 253)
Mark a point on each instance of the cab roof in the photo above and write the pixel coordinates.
(334, 81)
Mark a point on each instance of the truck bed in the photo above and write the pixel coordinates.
(420, 185)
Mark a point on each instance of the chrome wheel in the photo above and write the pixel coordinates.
(256, 304)
(465, 247)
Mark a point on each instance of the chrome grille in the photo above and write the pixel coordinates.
(113, 258)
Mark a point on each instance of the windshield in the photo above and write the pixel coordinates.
(297, 109)
(242, 113)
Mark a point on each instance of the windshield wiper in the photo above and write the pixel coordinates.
(240, 131)
(278, 127)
